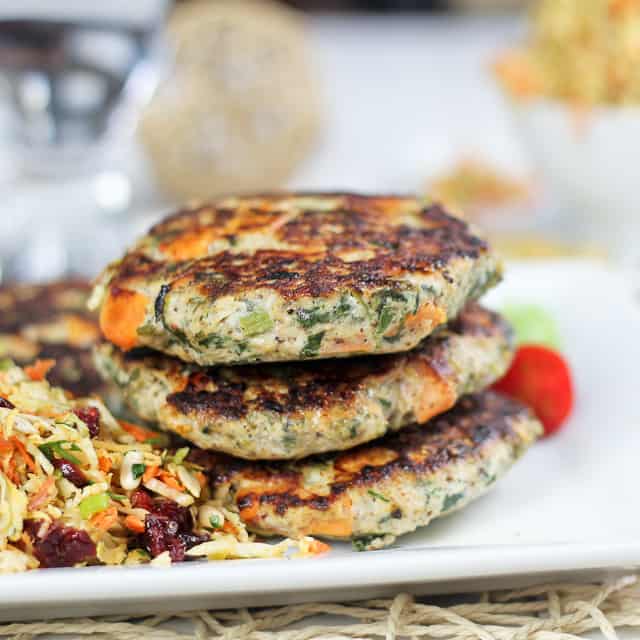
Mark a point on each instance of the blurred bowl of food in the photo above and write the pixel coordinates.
(574, 89)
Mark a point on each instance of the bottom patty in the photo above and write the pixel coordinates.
(386, 488)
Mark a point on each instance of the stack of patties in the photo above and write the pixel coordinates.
(329, 352)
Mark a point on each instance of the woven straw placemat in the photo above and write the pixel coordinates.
(545, 612)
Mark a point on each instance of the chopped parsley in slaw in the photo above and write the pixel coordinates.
(79, 487)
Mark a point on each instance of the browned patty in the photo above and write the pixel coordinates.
(385, 488)
(51, 321)
(280, 411)
(293, 277)
(315, 267)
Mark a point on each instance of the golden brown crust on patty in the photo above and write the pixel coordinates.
(323, 247)
(294, 410)
(387, 487)
(285, 254)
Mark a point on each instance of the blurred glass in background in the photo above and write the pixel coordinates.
(74, 78)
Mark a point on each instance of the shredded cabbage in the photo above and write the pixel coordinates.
(70, 471)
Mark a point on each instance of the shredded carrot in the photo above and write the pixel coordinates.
(134, 524)
(104, 464)
(10, 470)
(30, 462)
(5, 446)
(139, 433)
(104, 519)
(249, 512)
(39, 499)
(39, 369)
(202, 479)
(316, 547)
(150, 472)
(170, 481)
(228, 527)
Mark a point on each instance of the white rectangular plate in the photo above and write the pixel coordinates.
(569, 507)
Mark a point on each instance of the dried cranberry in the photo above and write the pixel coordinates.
(177, 548)
(173, 511)
(31, 527)
(140, 499)
(169, 527)
(158, 538)
(91, 417)
(70, 471)
(5, 404)
(63, 546)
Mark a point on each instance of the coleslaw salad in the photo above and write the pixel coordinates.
(79, 487)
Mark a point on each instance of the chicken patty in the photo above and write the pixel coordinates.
(281, 411)
(386, 488)
(294, 277)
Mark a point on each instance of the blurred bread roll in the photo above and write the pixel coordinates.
(239, 110)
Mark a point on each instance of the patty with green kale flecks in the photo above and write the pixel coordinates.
(294, 277)
(281, 411)
(385, 488)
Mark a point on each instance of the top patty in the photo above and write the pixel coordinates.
(384, 488)
(52, 321)
(293, 277)
(279, 411)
